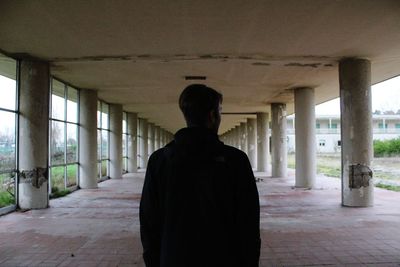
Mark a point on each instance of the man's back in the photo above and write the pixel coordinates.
(200, 204)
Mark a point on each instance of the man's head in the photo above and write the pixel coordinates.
(201, 106)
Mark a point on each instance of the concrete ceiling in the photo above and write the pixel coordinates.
(137, 53)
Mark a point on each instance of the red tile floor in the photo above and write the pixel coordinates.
(299, 227)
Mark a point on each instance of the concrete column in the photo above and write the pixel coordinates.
(143, 143)
(156, 137)
(243, 136)
(251, 144)
(278, 140)
(33, 135)
(262, 142)
(356, 132)
(237, 137)
(115, 141)
(132, 121)
(306, 169)
(88, 139)
(151, 138)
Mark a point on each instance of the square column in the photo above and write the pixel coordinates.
(279, 140)
(115, 141)
(132, 121)
(143, 143)
(356, 132)
(262, 142)
(33, 182)
(306, 168)
(251, 142)
(88, 139)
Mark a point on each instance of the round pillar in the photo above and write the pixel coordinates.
(115, 141)
(356, 132)
(33, 183)
(132, 141)
(305, 137)
(278, 140)
(143, 143)
(251, 144)
(262, 142)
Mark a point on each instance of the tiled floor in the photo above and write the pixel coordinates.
(299, 228)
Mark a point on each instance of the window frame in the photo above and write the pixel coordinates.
(66, 123)
(16, 112)
(100, 129)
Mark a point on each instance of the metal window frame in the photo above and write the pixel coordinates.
(100, 128)
(10, 208)
(66, 122)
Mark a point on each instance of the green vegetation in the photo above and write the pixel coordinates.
(56, 193)
(387, 148)
(388, 187)
(6, 199)
(57, 177)
(329, 171)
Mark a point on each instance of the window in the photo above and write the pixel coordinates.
(339, 142)
(318, 125)
(334, 126)
(397, 125)
(321, 142)
(125, 139)
(380, 126)
(63, 137)
(103, 139)
(8, 130)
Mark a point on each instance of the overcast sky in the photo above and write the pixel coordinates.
(385, 96)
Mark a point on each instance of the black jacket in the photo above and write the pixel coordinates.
(199, 205)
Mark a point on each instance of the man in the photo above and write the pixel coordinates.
(200, 203)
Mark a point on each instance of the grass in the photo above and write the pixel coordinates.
(330, 165)
(56, 193)
(6, 199)
(388, 187)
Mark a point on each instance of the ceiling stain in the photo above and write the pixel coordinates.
(297, 64)
(260, 64)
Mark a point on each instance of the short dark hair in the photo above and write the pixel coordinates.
(196, 101)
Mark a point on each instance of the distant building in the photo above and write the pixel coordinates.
(328, 131)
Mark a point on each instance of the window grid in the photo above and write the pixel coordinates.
(68, 170)
(8, 187)
(103, 128)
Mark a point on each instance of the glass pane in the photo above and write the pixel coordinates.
(124, 130)
(104, 144)
(72, 143)
(125, 164)
(72, 105)
(98, 114)
(104, 167)
(72, 175)
(124, 148)
(7, 189)
(104, 116)
(57, 100)
(8, 70)
(99, 144)
(7, 140)
(57, 178)
(57, 143)
(99, 170)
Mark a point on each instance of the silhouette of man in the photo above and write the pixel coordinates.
(199, 204)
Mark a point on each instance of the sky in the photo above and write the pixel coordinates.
(385, 96)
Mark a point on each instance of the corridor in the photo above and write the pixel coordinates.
(100, 227)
